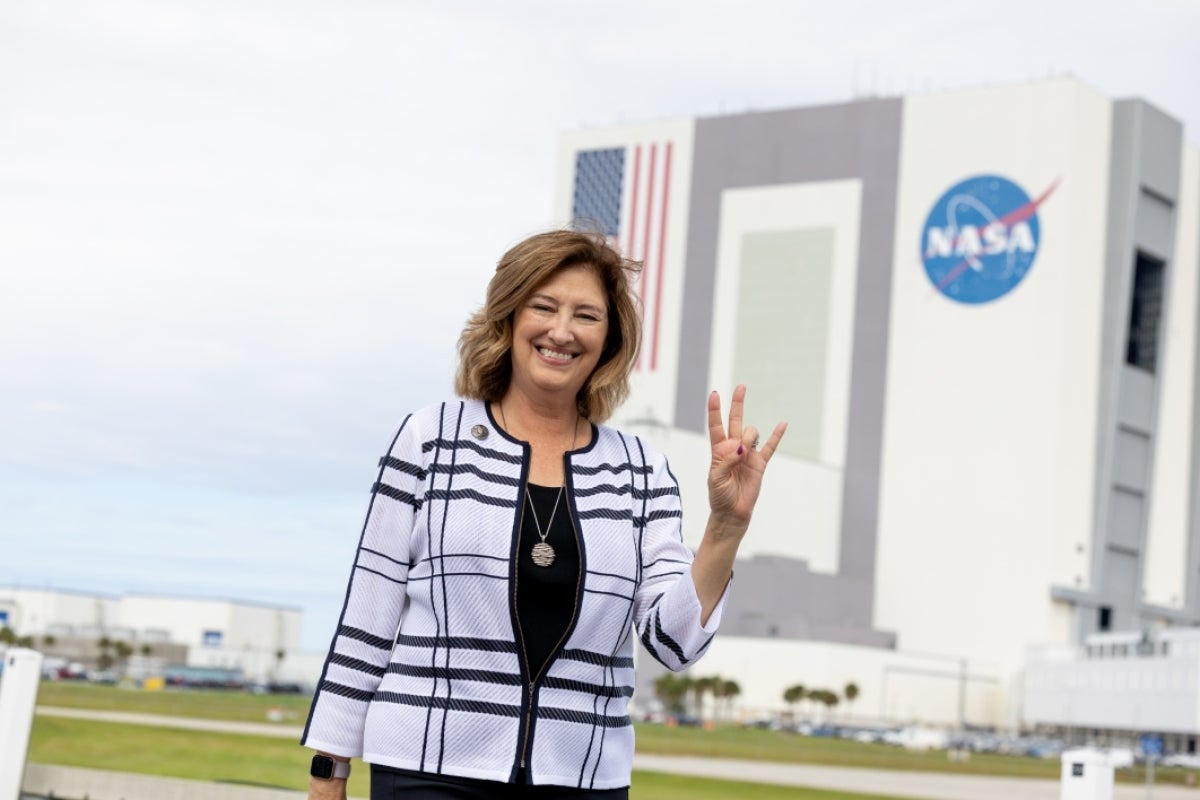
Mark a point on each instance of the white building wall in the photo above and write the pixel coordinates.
(187, 619)
(894, 686)
(990, 424)
(35, 612)
(1118, 688)
(264, 628)
(1166, 562)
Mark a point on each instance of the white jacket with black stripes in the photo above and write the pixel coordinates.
(426, 672)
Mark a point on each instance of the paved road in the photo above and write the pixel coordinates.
(894, 783)
(917, 785)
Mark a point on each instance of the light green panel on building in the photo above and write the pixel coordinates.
(783, 330)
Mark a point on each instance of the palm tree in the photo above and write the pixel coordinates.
(824, 697)
(670, 690)
(793, 695)
(685, 683)
(718, 694)
(850, 693)
(105, 660)
(730, 690)
(701, 687)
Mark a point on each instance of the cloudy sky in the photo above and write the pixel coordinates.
(238, 239)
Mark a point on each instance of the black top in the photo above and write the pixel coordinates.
(546, 595)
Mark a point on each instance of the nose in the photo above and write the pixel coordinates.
(560, 329)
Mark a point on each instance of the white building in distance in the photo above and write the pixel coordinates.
(261, 640)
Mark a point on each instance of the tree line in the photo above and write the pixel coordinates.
(110, 651)
(683, 694)
(799, 692)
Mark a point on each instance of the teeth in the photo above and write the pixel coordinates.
(548, 353)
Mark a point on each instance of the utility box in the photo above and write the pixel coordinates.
(1086, 775)
(18, 696)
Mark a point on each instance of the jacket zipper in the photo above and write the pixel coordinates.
(554, 651)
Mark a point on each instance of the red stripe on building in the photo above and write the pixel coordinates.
(647, 266)
(662, 246)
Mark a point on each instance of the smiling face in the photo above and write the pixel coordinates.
(559, 335)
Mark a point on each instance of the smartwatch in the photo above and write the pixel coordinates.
(327, 768)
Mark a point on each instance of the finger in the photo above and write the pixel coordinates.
(750, 437)
(768, 449)
(736, 408)
(716, 431)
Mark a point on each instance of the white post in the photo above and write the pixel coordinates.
(18, 696)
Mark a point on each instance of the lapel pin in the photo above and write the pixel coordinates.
(479, 432)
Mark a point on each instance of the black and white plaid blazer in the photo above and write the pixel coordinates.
(425, 670)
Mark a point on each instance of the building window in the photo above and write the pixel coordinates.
(1145, 310)
(1105, 622)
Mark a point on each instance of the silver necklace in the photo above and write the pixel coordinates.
(542, 554)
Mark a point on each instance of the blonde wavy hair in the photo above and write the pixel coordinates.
(484, 348)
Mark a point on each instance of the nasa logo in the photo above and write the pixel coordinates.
(980, 238)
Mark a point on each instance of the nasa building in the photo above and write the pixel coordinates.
(977, 310)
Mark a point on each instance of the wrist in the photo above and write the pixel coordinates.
(326, 767)
(725, 529)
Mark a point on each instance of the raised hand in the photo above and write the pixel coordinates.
(738, 462)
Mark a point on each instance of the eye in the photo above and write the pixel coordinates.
(543, 307)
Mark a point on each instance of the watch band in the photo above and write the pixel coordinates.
(326, 768)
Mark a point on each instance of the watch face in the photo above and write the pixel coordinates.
(322, 767)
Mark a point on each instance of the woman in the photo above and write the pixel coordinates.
(514, 547)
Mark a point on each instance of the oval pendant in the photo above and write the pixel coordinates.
(542, 554)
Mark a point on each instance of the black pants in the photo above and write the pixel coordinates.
(399, 784)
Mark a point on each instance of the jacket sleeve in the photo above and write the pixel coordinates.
(666, 608)
(375, 597)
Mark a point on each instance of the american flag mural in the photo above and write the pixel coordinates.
(627, 191)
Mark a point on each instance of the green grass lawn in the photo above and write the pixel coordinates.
(279, 763)
(722, 742)
(764, 745)
(175, 753)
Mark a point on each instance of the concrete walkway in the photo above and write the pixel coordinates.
(894, 783)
